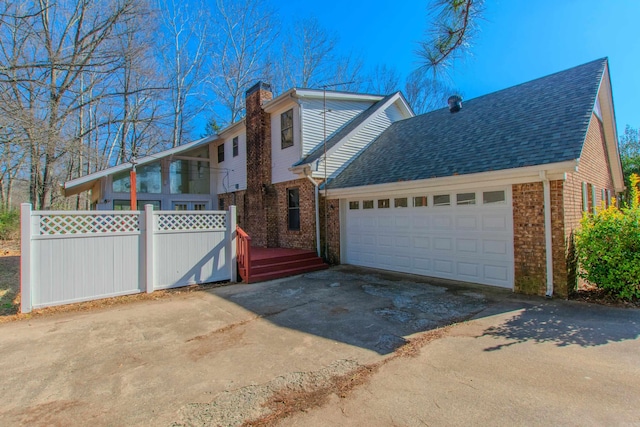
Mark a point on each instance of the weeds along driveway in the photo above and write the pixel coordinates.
(235, 353)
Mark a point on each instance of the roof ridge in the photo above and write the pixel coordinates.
(604, 59)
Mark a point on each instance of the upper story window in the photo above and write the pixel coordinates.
(189, 177)
(148, 179)
(220, 153)
(235, 147)
(286, 129)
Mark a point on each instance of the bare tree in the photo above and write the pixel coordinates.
(424, 93)
(184, 52)
(47, 47)
(384, 80)
(309, 57)
(453, 27)
(245, 31)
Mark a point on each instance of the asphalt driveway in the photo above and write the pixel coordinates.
(334, 339)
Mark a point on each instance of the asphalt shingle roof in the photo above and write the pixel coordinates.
(539, 122)
(341, 133)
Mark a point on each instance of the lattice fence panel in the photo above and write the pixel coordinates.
(89, 224)
(178, 222)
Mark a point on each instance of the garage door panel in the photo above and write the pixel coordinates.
(421, 242)
(420, 222)
(495, 247)
(442, 222)
(403, 262)
(403, 242)
(442, 244)
(497, 273)
(470, 246)
(421, 265)
(469, 223)
(443, 266)
(403, 222)
(494, 223)
(385, 241)
(462, 242)
(469, 270)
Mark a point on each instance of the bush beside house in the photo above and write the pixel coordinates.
(9, 224)
(608, 247)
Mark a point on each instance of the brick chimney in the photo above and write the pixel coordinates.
(260, 212)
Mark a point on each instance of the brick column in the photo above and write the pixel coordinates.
(258, 195)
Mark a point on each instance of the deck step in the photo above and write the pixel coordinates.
(283, 258)
(279, 274)
(283, 264)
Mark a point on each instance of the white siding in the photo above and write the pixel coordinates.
(342, 154)
(338, 114)
(231, 175)
(282, 160)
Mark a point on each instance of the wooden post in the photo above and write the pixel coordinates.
(231, 229)
(149, 230)
(25, 258)
(134, 195)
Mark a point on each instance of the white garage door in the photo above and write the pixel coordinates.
(463, 235)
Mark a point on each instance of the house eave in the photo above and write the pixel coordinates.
(554, 171)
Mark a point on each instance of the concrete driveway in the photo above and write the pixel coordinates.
(330, 343)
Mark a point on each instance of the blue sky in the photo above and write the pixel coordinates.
(519, 40)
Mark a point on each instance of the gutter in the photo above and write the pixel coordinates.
(317, 216)
(547, 232)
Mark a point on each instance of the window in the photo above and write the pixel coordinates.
(189, 177)
(400, 202)
(235, 147)
(148, 179)
(293, 198)
(420, 201)
(286, 129)
(466, 198)
(180, 207)
(383, 203)
(221, 203)
(442, 200)
(588, 197)
(493, 198)
(199, 206)
(123, 205)
(367, 204)
(354, 205)
(220, 153)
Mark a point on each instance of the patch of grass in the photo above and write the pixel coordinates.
(9, 282)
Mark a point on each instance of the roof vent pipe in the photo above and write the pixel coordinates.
(455, 103)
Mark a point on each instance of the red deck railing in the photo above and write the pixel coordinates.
(243, 254)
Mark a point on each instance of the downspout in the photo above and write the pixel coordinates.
(317, 198)
(547, 232)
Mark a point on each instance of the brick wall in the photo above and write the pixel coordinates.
(566, 211)
(237, 198)
(305, 238)
(529, 241)
(594, 168)
(528, 238)
(332, 243)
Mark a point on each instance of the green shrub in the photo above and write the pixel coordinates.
(9, 224)
(608, 248)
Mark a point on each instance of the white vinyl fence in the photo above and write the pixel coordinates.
(73, 256)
